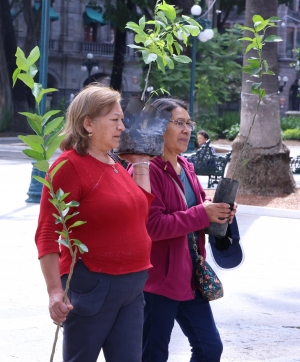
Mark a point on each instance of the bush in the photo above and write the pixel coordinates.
(291, 134)
(217, 126)
(233, 131)
(290, 122)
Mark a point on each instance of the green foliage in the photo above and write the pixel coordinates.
(291, 134)
(219, 126)
(43, 144)
(258, 66)
(159, 37)
(218, 75)
(290, 122)
(232, 132)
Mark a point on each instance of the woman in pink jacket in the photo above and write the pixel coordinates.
(169, 292)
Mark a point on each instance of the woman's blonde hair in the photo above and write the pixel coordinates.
(92, 101)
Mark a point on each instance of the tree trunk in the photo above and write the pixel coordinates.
(118, 60)
(7, 33)
(264, 167)
(33, 22)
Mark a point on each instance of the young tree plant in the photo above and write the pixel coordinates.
(159, 38)
(257, 66)
(42, 145)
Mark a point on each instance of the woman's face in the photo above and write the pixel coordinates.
(106, 130)
(176, 137)
(201, 140)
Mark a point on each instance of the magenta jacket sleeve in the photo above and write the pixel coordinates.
(168, 215)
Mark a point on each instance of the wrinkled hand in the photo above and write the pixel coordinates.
(132, 158)
(218, 212)
(57, 308)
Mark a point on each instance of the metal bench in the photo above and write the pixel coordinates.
(207, 163)
(295, 164)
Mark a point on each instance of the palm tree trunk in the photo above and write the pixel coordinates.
(264, 168)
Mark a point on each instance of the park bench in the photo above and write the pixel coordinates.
(295, 164)
(206, 163)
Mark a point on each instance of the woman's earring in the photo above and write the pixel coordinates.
(90, 135)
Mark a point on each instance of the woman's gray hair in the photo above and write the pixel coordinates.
(168, 104)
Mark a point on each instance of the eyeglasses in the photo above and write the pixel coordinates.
(182, 124)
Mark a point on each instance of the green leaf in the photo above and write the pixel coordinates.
(53, 125)
(32, 116)
(177, 47)
(42, 165)
(262, 93)
(255, 63)
(21, 61)
(52, 137)
(162, 16)
(266, 65)
(140, 38)
(254, 91)
(25, 78)
(192, 21)
(65, 211)
(42, 181)
(73, 204)
(273, 39)
(63, 242)
(15, 76)
(36, 90)
(57, 167)
(35, 125)
(133, 26)
(51, 113)
(262, 25)
(274, 19)
(43, 92)
(59, 193)
(52, 147)
(170, 62)
(256, 85)
(169, 39)
(160, 63)
(247, 28)
(255, 71)
(142, 22)
(246, 39)
(83, 248)
(70, 216)
(32, 142)
(33, 154)
(247, 69)
(257, 18)
(33, 56)
(32, 71)
(182, 58)
(148, 57)
(193, 30)
(169, 11)
(269, 72)
(77, 223)
(249, 47)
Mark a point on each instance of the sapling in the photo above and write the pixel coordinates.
(42, 145)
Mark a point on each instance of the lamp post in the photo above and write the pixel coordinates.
(204, 36)
(89, 65)
(285, 79)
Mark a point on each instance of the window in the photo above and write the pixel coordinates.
(90, 32)
(289, 42)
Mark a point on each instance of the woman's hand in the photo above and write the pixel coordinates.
(57, 308)
(218, 212)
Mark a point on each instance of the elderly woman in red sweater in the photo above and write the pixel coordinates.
(105, 306)
(169, 291)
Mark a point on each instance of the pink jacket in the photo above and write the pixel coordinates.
(169, 223)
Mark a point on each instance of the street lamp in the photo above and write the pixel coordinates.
(285, 79)
(89, 65)
(204, 36)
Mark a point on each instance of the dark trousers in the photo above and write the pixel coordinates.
(194, 318)
(107, 314)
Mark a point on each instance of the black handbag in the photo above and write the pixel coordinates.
(207, 281)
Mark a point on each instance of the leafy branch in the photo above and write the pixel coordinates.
(159, 38)
(257, 66)
(42, 146)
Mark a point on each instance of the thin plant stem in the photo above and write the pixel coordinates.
(146, 82)
(246, 140)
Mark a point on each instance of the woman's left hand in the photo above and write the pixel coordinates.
(233, 212)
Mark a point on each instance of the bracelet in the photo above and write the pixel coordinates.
(141, 163)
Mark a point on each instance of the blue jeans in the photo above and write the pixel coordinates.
(108, 314)
(194, 318)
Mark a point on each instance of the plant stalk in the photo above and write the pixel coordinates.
(146, 82)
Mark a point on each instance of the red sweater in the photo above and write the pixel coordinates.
(116, 211)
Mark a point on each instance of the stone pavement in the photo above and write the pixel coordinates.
(258, 318)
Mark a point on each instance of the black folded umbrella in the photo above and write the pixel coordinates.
(145, 127)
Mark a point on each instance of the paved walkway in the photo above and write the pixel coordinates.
(258, 318)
